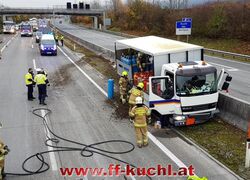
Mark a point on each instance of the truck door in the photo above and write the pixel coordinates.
(161, 95)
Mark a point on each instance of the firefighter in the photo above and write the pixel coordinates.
(135, 92)
(29, 81)
(41, 81)
(140, 113)
(61, 39)
(123, 84)
(4, 150)
(196, 178)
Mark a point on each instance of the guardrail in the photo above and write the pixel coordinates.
(223, 53)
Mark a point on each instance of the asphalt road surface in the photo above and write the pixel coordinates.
(80, 112)
(240, 72)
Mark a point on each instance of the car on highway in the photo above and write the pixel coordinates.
(47, 45)
(38, 36)
(9, 27)
(26, 30)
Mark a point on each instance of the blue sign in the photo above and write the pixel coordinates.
(187, 19)
(185, 24)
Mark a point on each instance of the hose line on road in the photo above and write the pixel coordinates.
(84, 149)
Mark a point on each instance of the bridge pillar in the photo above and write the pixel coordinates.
(4, 17)
(95, 22)
(104, 22)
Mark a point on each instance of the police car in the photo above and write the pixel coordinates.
(47, 45)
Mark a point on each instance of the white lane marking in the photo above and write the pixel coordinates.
(233, 69)
(51, 154)
(34, 64)
(151, 137)
(228, 67)
(232, 61)
(85, 74)
(6, 45)
(178, 162)
(32, 46)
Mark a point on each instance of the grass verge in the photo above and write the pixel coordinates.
(223, 141)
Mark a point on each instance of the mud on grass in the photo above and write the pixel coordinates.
(101, 64)
(105, 67)
(223, 141)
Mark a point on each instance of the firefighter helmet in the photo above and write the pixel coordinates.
(140, 85)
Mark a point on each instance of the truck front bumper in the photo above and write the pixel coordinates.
(187, 120)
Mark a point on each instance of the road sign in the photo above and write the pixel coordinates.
(183, 28)
(187, 19)
(108, 22)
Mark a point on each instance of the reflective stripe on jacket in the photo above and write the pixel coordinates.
(28, 79)
(140, 114)
(40, 79)
(134, 94)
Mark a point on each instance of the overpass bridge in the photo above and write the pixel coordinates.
(95, 13)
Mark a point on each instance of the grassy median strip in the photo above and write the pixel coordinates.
(223, 141)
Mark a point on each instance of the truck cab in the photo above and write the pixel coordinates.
(178, 84)
(186, 91)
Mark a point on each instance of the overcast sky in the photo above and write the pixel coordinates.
(51, 3)
(37, 3)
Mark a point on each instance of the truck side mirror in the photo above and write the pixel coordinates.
(229, 78)
(225, 86)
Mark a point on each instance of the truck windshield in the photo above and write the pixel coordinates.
(196, 84)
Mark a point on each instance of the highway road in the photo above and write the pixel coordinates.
(80, 112)
(240, 71)
(5, 39)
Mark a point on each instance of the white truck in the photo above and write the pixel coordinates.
(179, 86)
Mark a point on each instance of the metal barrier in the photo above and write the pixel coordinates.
(223, 53)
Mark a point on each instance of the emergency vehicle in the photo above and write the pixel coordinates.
(179, 85)
(47, 45)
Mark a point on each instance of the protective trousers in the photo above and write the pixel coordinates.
(30, 91)
(1, 166)
(41, 92)
(141, 135)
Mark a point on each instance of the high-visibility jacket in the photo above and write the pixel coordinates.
(140, 114)
(196, 178)
(56, 37)
(40, 79)
(134, 93)
(28, 79)
(61, 37)
(123, 83)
